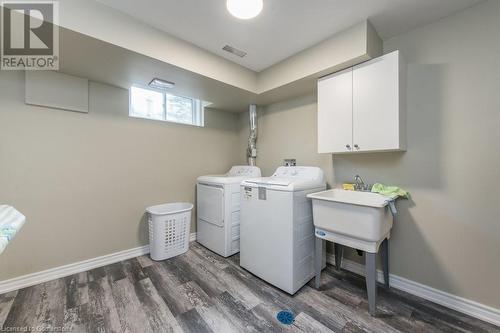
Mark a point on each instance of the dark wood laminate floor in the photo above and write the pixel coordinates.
(202, 292)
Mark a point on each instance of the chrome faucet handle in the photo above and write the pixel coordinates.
(359, 180)
(359, 184)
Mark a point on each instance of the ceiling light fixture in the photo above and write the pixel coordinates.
(161, 84)
(244, 9)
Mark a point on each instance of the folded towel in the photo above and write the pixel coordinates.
(10, 223)
(393, 192)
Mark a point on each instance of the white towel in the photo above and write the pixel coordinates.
(10, 223)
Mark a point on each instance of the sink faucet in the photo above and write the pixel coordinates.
(360, 184)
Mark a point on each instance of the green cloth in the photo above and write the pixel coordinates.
(390, 191)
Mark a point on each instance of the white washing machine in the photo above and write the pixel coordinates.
(277, 231)
(218, 209)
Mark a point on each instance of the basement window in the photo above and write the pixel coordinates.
(158, 105)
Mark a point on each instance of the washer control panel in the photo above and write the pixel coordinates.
(298, 172)
(244, 171)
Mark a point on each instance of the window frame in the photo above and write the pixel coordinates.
(198, 109)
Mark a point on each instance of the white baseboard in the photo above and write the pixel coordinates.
(463, 305)
(77, 267)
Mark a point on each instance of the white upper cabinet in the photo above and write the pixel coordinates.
(374, 119)
(335, 112)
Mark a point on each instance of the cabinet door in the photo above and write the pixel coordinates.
(376, 104)
(335, 112)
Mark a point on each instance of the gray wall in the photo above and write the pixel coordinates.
(84, 180)
(448, 235)
(286, 130)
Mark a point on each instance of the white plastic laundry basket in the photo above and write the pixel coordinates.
(169, 226)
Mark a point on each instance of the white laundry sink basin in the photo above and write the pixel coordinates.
(357, 219)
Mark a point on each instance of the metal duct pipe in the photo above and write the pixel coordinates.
(252, 139)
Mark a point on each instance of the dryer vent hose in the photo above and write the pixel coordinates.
(252, 139)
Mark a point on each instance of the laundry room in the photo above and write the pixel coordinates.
(249, 165)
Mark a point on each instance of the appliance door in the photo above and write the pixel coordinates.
(266, 235)
(211, 204)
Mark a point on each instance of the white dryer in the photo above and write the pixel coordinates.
(218, 209)
(277, 231)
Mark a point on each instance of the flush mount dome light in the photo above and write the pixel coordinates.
(244, 9)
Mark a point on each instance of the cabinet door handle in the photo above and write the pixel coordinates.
(348, 147)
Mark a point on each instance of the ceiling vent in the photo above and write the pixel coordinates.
(234, 51)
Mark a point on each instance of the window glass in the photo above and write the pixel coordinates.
(180, 109)
(146, 103)
(157, 105)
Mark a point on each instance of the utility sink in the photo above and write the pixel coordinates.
(361, 220)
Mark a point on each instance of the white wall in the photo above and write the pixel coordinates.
(84, 180)
(287, 130)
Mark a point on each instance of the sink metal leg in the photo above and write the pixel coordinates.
(384, 249)
(318, 261)
(371, 281)
(339, 249)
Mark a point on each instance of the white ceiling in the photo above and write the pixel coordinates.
(285, 27)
